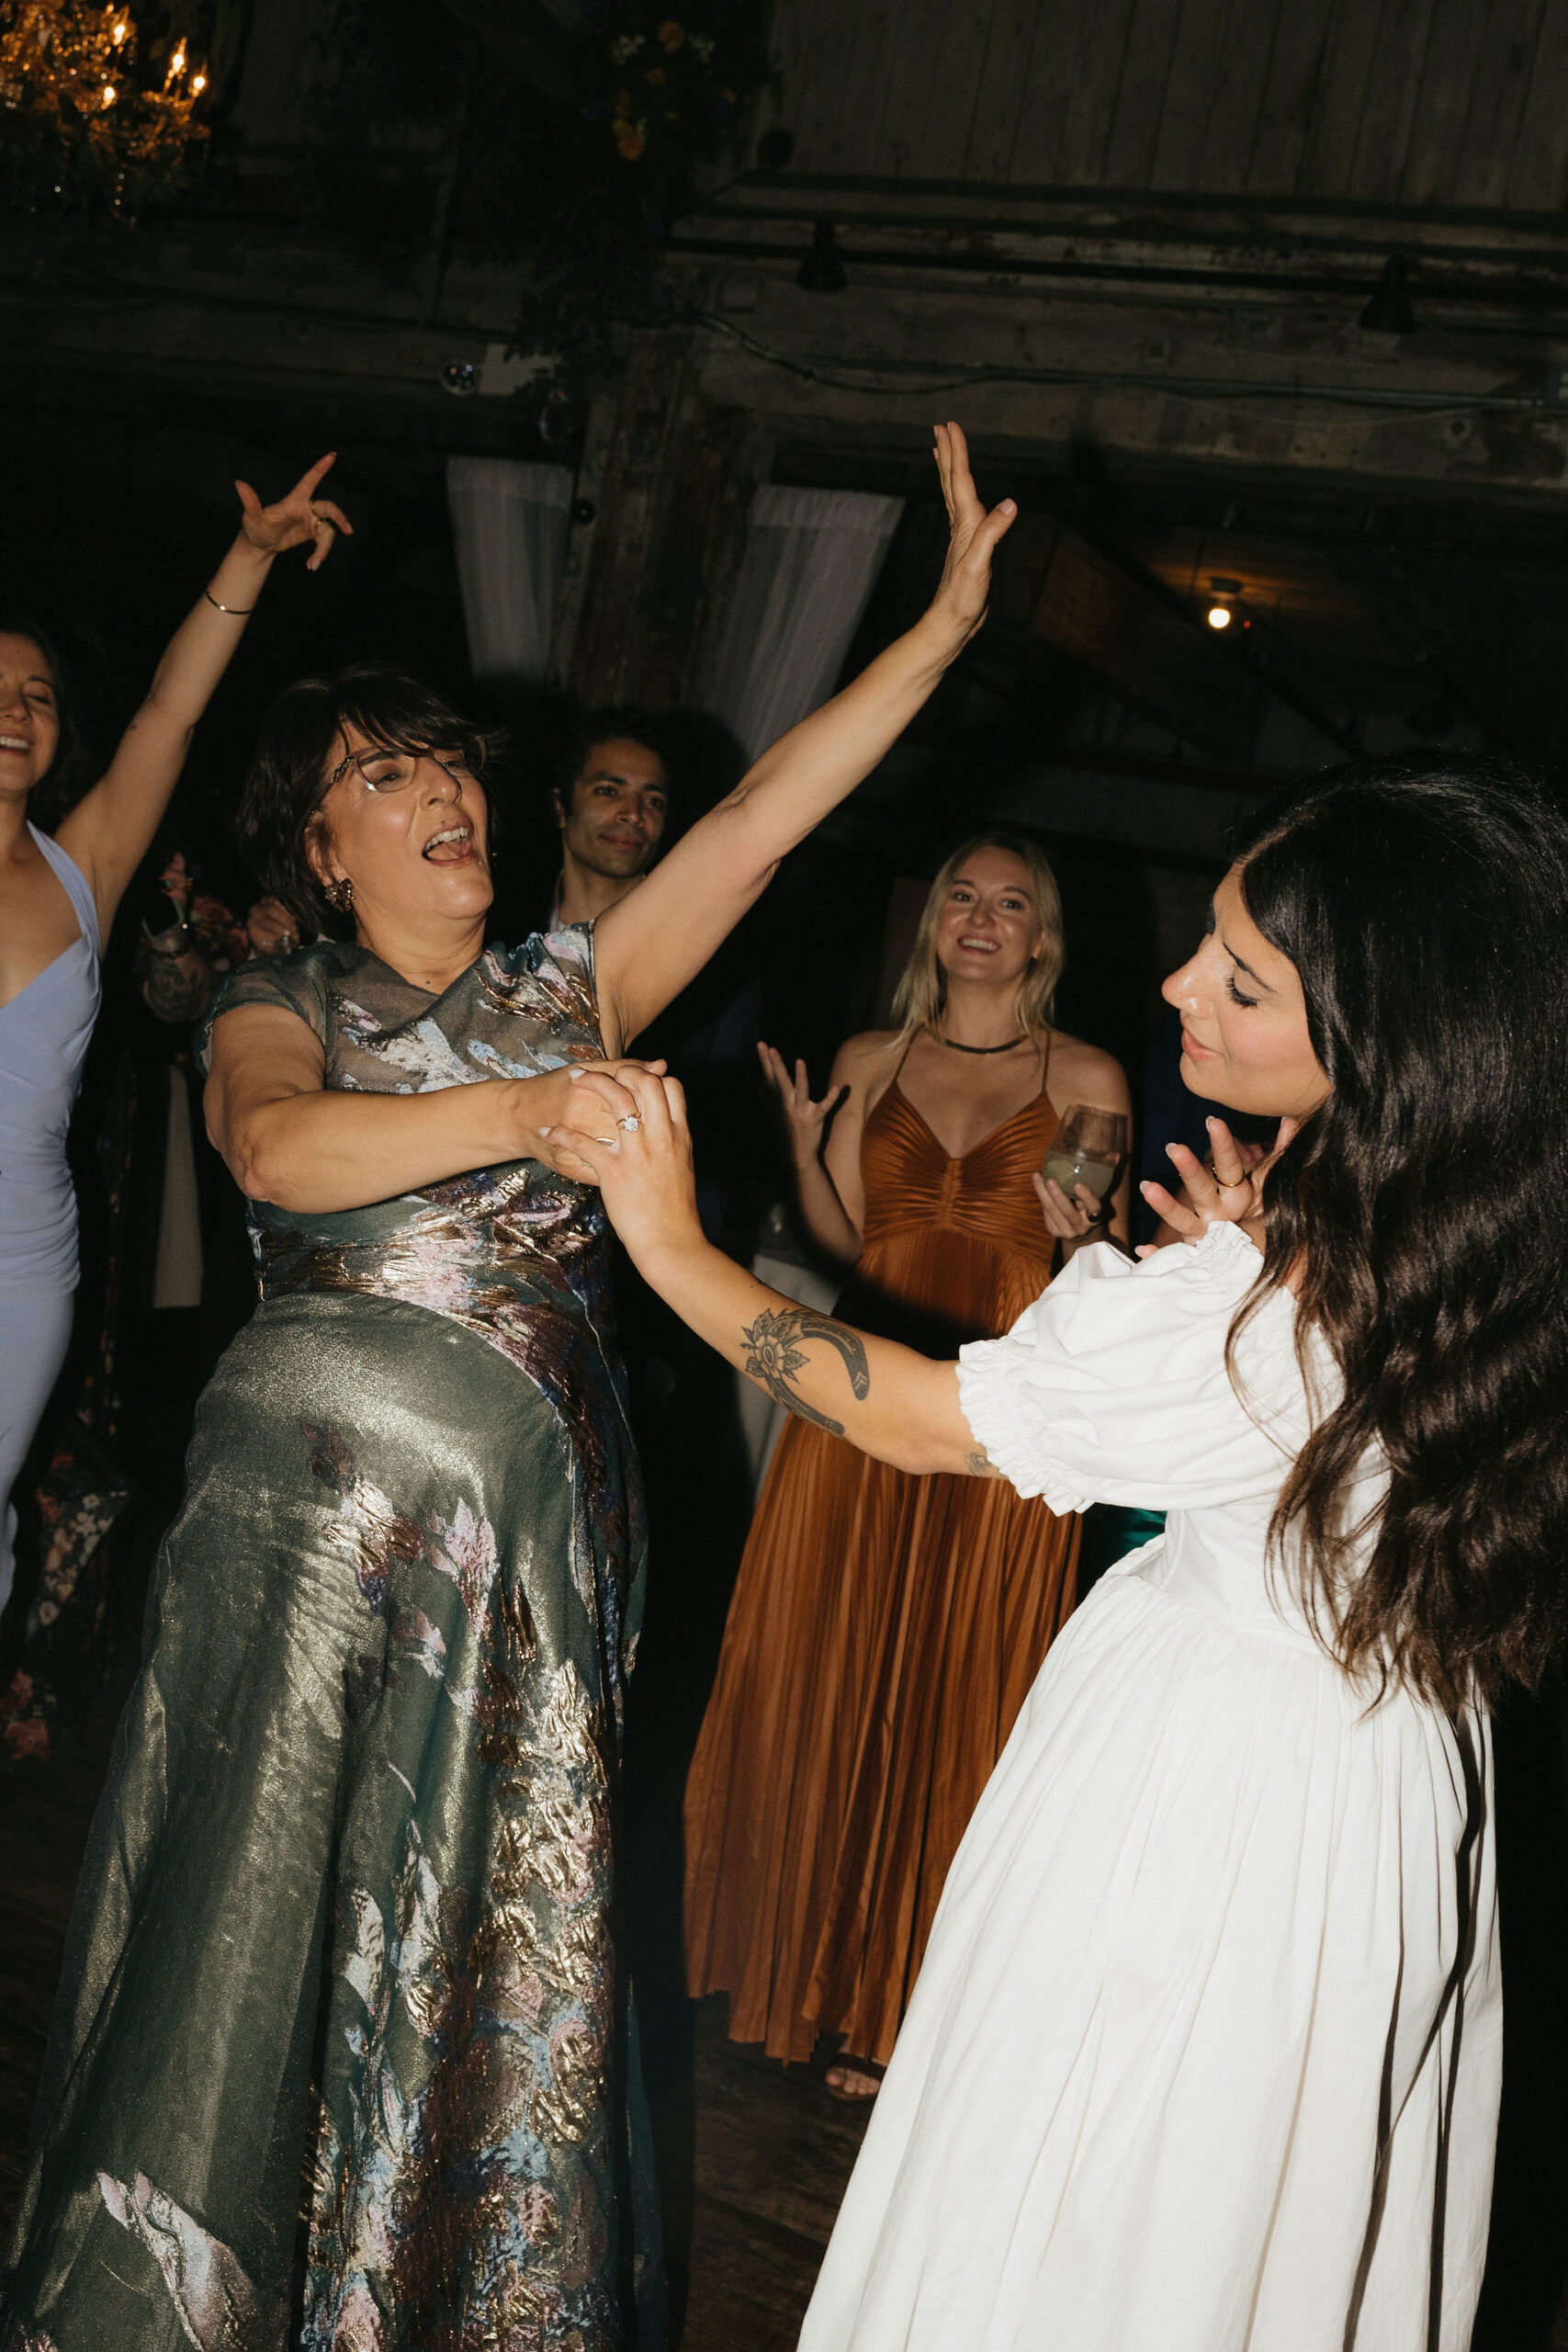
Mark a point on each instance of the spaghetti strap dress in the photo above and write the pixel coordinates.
(44, 1033)
(883, 1636)
(1206, 2053)
(342, 2058)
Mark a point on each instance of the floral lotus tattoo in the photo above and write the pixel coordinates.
(773, 1358)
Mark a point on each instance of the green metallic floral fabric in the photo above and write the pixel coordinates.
(342, 2056)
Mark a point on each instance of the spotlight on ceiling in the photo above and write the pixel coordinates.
(1219, 617)
(822, 271)
(1223, 592)
(1391, 311)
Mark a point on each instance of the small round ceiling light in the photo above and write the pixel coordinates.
(1219, 617)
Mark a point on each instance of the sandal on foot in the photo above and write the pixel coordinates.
(869, 2076)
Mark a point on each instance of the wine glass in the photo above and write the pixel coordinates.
(1087, 1149)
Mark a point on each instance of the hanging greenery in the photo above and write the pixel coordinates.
(579, 192)
(92, 117)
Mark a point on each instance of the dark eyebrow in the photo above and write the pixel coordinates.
(1241, 965)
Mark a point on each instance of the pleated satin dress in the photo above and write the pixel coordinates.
(884, 1634)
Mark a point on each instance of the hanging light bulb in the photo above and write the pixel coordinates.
(1219, 617)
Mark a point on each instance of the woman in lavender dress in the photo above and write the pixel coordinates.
(58, 897)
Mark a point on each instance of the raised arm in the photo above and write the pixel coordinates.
(649, 944)
(888, 1400)
(109, 831)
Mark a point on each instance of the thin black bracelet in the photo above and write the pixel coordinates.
(236, 612)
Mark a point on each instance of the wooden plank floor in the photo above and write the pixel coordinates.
(43, 1829)
(772, 2155)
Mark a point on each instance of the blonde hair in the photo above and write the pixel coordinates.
(922, 992)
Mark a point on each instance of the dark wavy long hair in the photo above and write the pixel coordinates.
(73, 769)
(1426, 910)
(280, 801)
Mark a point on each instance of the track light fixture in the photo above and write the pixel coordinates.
(822, 271)
(1391, 311)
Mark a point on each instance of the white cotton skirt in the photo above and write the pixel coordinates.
(1206, 2049)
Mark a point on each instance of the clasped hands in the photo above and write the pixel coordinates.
(587, 1104)
(639, 1155)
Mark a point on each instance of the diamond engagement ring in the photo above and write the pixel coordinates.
(631, 1123)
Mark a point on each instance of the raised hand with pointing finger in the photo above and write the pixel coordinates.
(294, 521)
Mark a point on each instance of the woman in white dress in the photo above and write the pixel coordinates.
(1206, 2053)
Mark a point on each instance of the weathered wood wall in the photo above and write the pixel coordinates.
(1418, 102)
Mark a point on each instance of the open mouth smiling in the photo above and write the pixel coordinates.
(456, 840)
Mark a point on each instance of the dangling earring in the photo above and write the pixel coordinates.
(341, 895)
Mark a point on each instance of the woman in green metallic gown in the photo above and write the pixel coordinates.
(341, 2056)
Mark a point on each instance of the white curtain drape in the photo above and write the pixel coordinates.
(510, 525)
(811, 560)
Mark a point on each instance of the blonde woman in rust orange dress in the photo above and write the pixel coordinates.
(885, 1628)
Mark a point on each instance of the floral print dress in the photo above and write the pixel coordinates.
(341, 2057)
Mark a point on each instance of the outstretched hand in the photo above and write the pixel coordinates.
(1230, 1192)
(966, 582)
(301, 516)
(644, 1173)
(804, 1119)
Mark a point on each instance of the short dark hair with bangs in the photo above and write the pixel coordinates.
(291, 767)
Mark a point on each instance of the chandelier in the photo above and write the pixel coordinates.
(78, 129)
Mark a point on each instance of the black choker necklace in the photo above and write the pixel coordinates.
(1020, 1039)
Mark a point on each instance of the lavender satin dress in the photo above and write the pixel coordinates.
(43, 1040)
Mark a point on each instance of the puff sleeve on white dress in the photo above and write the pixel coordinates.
(1204, 2055)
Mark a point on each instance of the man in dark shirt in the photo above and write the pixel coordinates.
(610, 797)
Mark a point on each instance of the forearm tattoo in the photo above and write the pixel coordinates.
(773, 1358)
